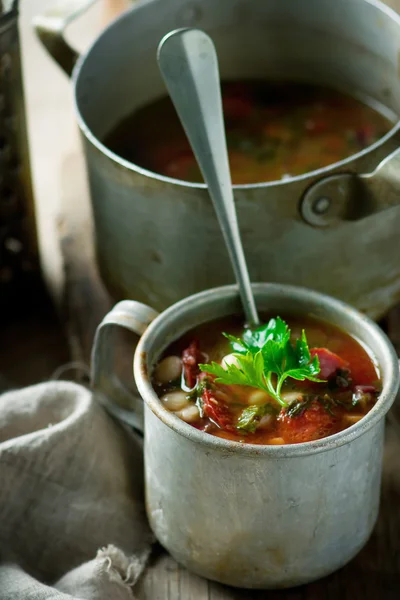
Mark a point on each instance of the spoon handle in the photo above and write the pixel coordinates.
(189, 66)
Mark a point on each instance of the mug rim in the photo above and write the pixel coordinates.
(386, 398)
(133, 167)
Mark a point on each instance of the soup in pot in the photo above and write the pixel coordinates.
(274, 131)
(287, 382)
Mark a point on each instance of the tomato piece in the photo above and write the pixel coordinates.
(218, 411)
(329, 362)
(312, 424)
(191, 357)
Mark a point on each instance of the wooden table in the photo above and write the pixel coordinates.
(75, 283)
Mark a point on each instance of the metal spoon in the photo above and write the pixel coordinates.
(188, 63)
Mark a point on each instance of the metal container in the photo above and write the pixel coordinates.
(241, 514)
(334, 229)
(19, 263)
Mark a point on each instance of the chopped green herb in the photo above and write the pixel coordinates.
(195, 393)
(266, 358)
(251, 416)
(297, 408)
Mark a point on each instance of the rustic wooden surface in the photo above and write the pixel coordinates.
(375, 573)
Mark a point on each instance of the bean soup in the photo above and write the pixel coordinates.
(289, 381)
(274, 131)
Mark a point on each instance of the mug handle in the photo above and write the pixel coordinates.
(107, 388)
(50, 28)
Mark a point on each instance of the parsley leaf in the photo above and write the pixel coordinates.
(266, 358)
(298, 363)
(275, 331)
(237, 344)
(250, 371)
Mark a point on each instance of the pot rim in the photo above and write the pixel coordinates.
(202, 186)
(386, 398)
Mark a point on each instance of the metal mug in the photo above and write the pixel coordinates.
(334, 229)
(248, 515)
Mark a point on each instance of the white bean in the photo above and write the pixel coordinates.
(190, 414)
(230, 359)
(168, 369)
(291, 396)
(258, 397)
(352, 419)
(221, 396)
(265, 422)
(175, 400)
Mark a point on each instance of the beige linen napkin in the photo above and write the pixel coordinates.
(72, 521)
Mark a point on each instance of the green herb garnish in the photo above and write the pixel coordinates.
(266, 359)
(298, 407)
(251, 416)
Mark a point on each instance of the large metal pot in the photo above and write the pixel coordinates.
(242, 514)
(157, 238)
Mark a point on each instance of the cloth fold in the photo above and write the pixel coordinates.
(72, 519)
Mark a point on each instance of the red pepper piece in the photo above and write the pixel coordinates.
(191, 357)
(217, 411)
(329, 362)
(313, 424)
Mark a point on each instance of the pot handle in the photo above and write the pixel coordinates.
(350, 197)
(107, 387)
(50, 29)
